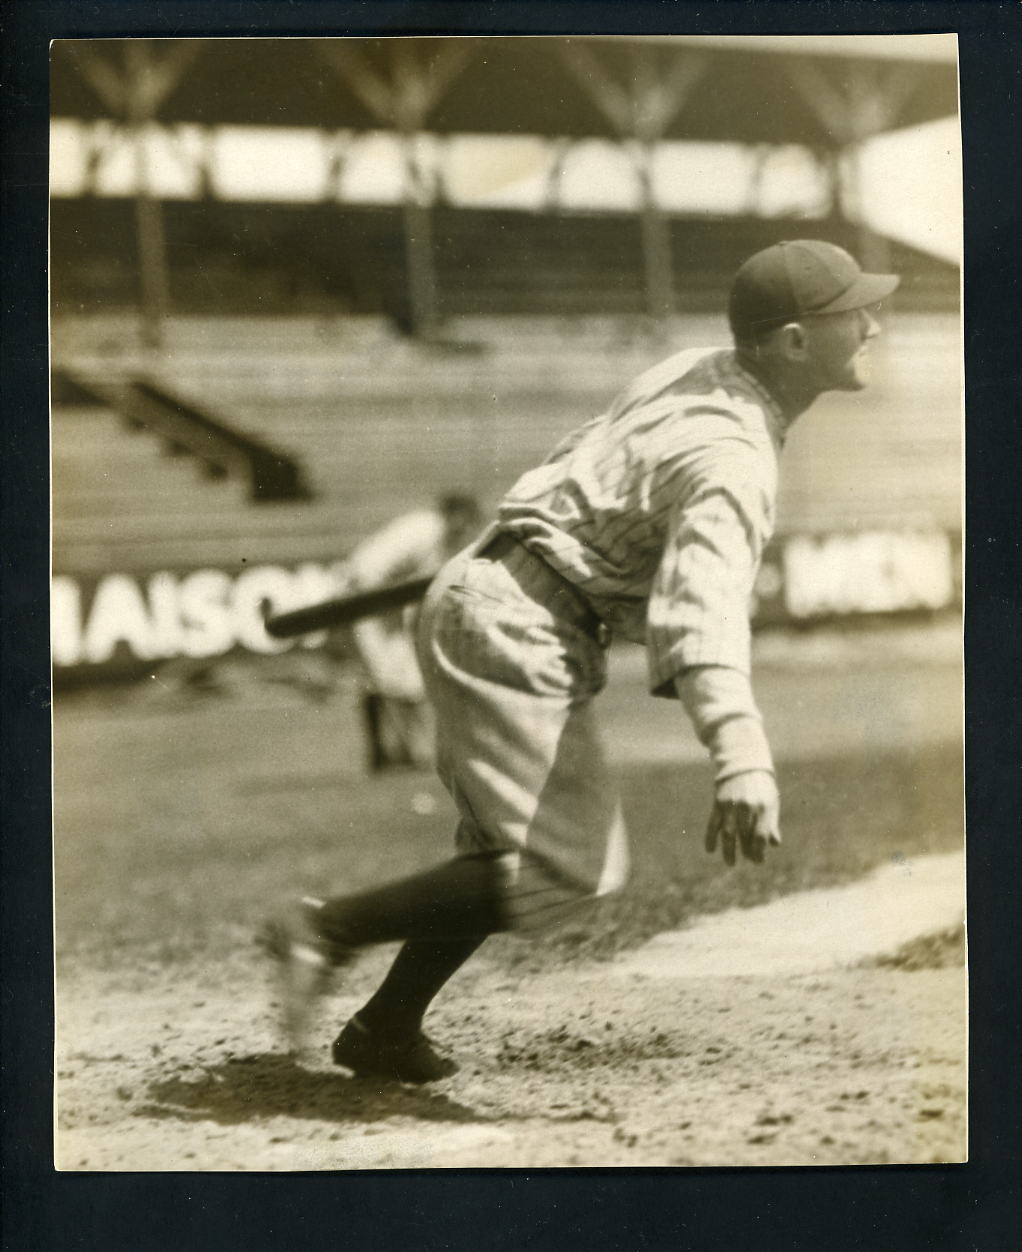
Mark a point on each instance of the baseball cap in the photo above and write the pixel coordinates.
(798, 277)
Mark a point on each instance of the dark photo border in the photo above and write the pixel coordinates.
(967, 1207)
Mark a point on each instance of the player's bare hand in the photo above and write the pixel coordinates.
(746, 814)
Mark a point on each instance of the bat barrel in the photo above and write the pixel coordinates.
(343, 610)
(298, 622)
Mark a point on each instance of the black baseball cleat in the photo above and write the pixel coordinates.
(307, 961)
(411, 1059)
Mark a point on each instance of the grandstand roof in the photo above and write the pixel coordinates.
(754, 89)
(938, 48)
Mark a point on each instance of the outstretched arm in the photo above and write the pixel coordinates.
(699, 636)
(746, 808)
(698, 612)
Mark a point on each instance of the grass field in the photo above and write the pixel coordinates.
(180, 819)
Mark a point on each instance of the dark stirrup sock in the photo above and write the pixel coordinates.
(457, 899)
(420, 970)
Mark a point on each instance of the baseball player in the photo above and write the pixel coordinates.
(393, 703)
(647, 523)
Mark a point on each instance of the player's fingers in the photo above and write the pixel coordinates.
(754, 846)
(745, 842)
(713, 828)
(773, 835)
(728, 844)
(745, 822)
(769, 826)
(729, 834)
(764, 832)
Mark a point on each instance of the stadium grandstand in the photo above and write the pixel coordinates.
(247, 380)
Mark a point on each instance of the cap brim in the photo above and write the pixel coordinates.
(867, 289)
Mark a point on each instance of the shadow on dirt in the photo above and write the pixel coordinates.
(266, 1085)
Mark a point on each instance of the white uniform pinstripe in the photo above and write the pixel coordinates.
(659, 510)
(650, 520)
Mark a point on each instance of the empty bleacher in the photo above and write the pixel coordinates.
(120, 502)
(379, 426)
(285, 324)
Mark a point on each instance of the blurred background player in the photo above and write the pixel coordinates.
(395, 712)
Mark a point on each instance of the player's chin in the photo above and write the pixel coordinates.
(857, 377)
(862, 371)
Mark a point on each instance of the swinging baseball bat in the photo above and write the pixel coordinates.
(342, 610)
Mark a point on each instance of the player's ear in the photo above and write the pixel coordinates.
(793, 341)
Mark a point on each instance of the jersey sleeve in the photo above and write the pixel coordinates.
(721, 707)
(698, 611)
(408, 547)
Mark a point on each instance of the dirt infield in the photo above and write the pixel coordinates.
(592, 1067)
(181, 817)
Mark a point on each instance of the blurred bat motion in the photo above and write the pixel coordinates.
(343, 610)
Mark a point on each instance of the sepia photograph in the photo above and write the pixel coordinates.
(450, 433)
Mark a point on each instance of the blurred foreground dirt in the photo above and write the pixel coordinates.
(180, 1069)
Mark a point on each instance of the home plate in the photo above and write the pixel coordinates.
(812, 931)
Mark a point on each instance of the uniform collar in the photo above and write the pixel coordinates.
(777, 424)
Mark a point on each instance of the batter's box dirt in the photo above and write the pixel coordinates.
(569, 1051)
(266, 1085)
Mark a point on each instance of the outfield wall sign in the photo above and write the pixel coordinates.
(836, 575)
(127, 622)
(203, 613)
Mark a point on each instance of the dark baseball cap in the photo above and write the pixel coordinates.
(796, 278)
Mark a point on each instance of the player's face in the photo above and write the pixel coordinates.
(839, 348)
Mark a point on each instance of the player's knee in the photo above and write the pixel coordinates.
(537, 897)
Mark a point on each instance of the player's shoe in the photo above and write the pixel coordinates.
(412, 1059)
(307, 960)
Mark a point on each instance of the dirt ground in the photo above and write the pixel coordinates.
(584, 1067)
(823, 1023)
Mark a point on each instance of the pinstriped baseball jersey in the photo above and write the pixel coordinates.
(659, 509)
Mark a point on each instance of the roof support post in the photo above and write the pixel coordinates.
(641, 110)
(423, 304)
(96, 141)
(657, 261)
(559, 153)
(207, 164)
(154, 286)
(409, 79)
(134, 95)
(402, 99)
(336, 148)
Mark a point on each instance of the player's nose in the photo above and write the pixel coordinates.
(869, 323)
